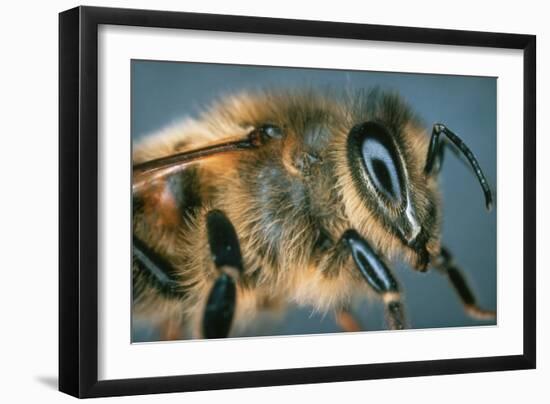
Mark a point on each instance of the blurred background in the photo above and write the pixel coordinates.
(166, 92)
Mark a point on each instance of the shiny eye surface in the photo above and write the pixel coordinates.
(371, 144)
(381, 168)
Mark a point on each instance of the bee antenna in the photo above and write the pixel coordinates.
(435, 153)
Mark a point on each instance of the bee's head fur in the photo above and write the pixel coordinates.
(380, 157)
(361, 157)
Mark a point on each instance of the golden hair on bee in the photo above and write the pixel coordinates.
(277, 197)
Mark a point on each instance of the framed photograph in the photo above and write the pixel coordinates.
(251, 201)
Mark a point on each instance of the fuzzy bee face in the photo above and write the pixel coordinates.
(380, 175)
(369, 146)
(387, 194)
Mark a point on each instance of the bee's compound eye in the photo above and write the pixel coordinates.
(374, 147)
(381, 168)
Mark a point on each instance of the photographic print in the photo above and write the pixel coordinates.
(271, 201)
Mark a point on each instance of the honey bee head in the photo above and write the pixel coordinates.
(369, 147)
(386, 193)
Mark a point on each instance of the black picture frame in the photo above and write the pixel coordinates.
(78, 201)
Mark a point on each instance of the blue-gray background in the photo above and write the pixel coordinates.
(165, 92)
